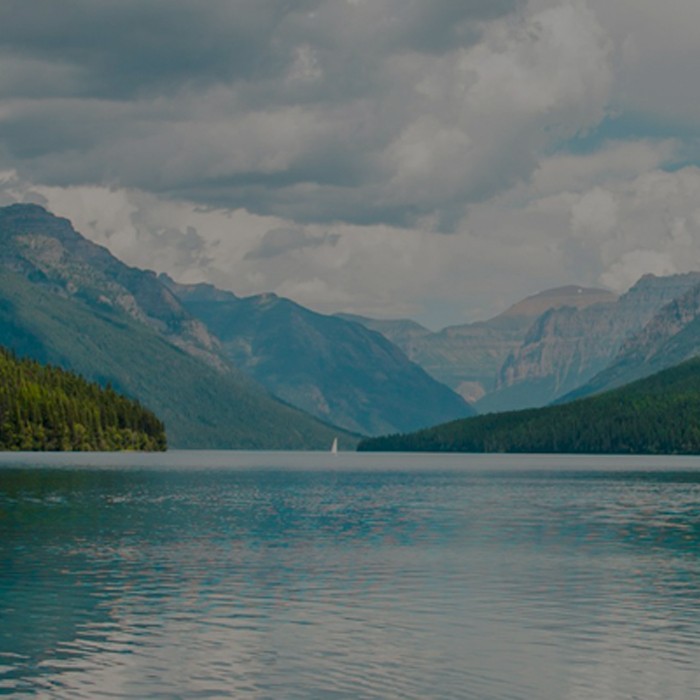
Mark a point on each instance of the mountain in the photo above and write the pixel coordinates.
(672, 336)
(567, 346)
(570, 296)
(330, 367)
(656, 415)
(69, 302)
(47, 408)
(403, 332)
(47, 249)
(468, 357)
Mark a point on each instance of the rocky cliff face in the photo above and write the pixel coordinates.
(48, 250)
(468, 357)
(671, 337)
(333, 368)
(566, 347)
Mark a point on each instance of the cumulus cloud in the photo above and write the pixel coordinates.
(656, 56)
(593, 230)
(281, 241)
(318, 148)
(314, 110)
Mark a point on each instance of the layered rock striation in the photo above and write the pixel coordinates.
(566, 347)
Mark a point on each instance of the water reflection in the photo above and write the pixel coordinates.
(346, 583)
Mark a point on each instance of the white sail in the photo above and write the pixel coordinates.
(334, 446)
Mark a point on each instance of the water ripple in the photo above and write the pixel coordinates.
(556, 584)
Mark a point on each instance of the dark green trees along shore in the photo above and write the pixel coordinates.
(656, 415)
(47, 408)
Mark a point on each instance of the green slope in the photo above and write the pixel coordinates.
(200, 406)
(336, 370)
(656, 415)
(46, 408)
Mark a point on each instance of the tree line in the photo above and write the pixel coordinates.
(656, 415)
(48, 408)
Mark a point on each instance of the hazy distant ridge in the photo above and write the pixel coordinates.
(468, 357)
(566, 347)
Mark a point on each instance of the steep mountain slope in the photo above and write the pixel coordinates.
(468, 357)
(133, 332)
(656, 415)
(566, 347)
(334, 369)
(47, 250)
(672, 336)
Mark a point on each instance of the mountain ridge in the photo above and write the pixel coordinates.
(141, 340)
(332, 368)
(566, 347)
(669, 338)
(467, 357)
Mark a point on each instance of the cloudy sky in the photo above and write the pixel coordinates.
(436, 159)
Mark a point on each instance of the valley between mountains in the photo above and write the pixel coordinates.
(263, 372)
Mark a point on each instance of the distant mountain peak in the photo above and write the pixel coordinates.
(569, 295)
(200, 291)
(567, 346)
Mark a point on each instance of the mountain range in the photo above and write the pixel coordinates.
(265, 372)
(69, 302)
(332, 368)
(559, 344)
(469, 357)
(566, 346)
(669, 338)
(66, 300)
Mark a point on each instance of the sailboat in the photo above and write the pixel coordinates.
(334, 446)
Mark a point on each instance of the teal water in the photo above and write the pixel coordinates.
(277, 575)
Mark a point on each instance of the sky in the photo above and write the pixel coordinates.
(431, 159)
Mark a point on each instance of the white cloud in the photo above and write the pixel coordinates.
(623, 273)
(319, 155)
(613, 161)
(596, 212)
(656, 56)
(376, 113)
(512, 245)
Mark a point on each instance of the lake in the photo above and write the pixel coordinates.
(309, 575)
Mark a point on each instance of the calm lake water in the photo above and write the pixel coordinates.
(281, 575)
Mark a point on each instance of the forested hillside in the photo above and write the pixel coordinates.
(47, 408)
(656, 415)
(67, 302)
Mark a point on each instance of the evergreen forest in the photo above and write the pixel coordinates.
(47, 408)
(656, 415)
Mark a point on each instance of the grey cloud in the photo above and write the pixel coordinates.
(129, 46)
(313, 110)
(441, 25)
(13, 189)
(279, 241)
(179, 250)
